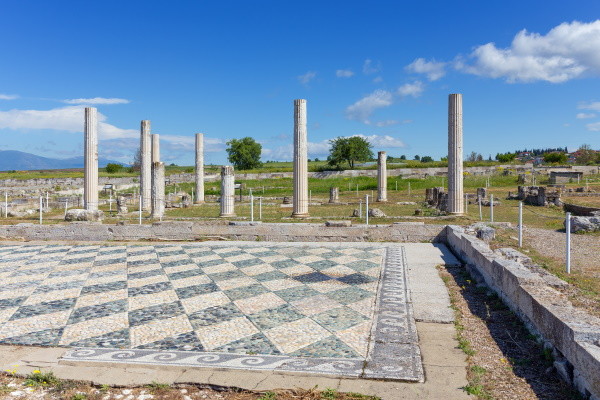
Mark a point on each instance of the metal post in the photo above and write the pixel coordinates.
(360, 209)
(349, 189)
(41, 200)
(491, 208)
(409, 189)
(367, 208)
(47, 201)
(480, 213)
(309, 196)
(466, 203)
(587, 183)
(66, 206)
(568, 232)
(520, 224)
(5, 205)
(357, 189)
(396, 186)
(260, 208)
(140, 208)
(251, 207)
(110, 204)
(192, 195)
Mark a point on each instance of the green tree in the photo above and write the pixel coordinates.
(403, 157)
(244, 153)
(418, 157)
(505, 157)
(555, 157)
(585, 155)
(350, 150)
(113, 168)
(426, 159)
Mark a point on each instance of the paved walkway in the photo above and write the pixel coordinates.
(287, 307)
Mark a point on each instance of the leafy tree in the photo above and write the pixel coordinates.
(444, 158)
(136, 165)
(557, 157)
(585, 155)
(426, 159)
(506, 157)
(113, 168)
(403, 157)
(244, 153)
(418, 157)
(350, 150)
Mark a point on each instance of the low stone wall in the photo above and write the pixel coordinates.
(298, 232)
(573, 334)
(580, 210)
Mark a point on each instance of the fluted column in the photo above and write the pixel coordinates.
(158, 189)
(199, 172)
(90, 174)
(146, 165)
(300, 202)
(381, 176)
(455, 155)
(227, 192)
(155, 148)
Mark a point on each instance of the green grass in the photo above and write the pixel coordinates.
(38, 378)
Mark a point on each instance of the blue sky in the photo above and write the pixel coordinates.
(528, 71)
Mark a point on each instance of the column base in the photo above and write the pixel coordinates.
(226, 215)
(381, 201)
(199, 202)
(305, 215)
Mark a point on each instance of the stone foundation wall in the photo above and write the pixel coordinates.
(168, 230)
(573, 334)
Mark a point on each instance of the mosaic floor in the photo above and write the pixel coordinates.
(294, 307)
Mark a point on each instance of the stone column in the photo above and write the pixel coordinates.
(381, 176)
(155, 148)
(199, 169)
(300, 202)
(334, 194)
(227, 191)
(455, 155)
(90, 174)
(146, 165)
(158, 189)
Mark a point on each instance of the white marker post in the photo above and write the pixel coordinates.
(110, 204)
(309, 196)
(520, 224)
(466, 203)
(66, 205)
(260, 208)
(491, 208)
(140, 208)
(367, 209)
(47, 201)
(41, 200)
(480, 213)
(5, 205)
(396, 186)
(357, 189)
(409, 189)
(251, 208)
(360, 209)
(568, 232)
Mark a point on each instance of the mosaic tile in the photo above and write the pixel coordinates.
(47, 337)
(281, 284)
(349, 295)
(11, 302)
(145, 274)
(149, 289)
(100, 298)
(357, 337)
(97, 311)
(328, 347)
(315, 304)
(296, 293)
(284, 263)
(329, 286)
(312, 277)
(292, 336)
(270, 276)
(59, 286)
(214, 315)
(43, 308)
(184, 342)
(154, 313)
(37, 298)
(104, 287)
(254, 344)
(321, 265)
(340, 318)
(152, 299)
(195, 290)
(115, 340)
(197, 303)
(259, 303)
(236, 283)
(84, 329)
(217, 335)
(245, 292)
(191, 281)
(150, 280)
(22, 326)
(273, 317)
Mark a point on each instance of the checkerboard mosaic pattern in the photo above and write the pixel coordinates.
(290, 304)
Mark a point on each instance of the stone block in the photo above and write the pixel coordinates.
(76, 214)
(338, 224)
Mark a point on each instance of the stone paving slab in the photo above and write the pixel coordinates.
(283, 307)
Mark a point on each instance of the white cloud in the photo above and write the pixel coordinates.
(388, 122)
(594, 106)
(381, 142)
(97, 100)
(433, 69)
(370, 68)
(363, 108)
(585, 115)
(377, 79)
(188, 143)
(69, 119)
(286, 152)
(595, 127)
(344, 73)
(307, 77)
(8, 96)
(411, 89)
(567, 51)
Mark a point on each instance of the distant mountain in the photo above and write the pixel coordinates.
(20, 161)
